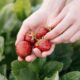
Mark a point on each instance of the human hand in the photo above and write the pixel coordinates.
(34, 22)
(67, 23)
(37, 19)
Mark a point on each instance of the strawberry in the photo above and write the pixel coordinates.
(43, 45)
(30, 37)
(23, 49)
(41, 32)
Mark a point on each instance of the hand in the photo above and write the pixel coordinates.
(67, 24)
(40, 17)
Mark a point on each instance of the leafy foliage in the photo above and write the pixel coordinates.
(21, 9)
(75, 75)
(51, 67)
(4, 2)
(22, 72)
(2, 77)
(54, 77)
(1, 47)
(63, 64)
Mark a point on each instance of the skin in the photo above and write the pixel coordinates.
(68, 25)
(64, 24)
(41, 17)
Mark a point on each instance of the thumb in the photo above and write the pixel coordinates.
(28, 24)
(22, 32)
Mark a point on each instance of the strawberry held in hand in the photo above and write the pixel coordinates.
(43, 45)
(30, 37)
(31, 40)
(41, 32)
(23, 49)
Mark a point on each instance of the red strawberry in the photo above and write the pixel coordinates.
(23, 49)
(43, 45)
(30, 37)
(41, 32)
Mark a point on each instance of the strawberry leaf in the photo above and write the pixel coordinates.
(55, 76)
(4, 2)
(2, 77)
(76, 59)
(37, 65)
(51, 67)
(21, 71)
(1, 48)
(22, 8)
(75, 75)
(63, 53)
(3, 69)
(9, 20)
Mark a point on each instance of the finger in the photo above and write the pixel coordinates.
(47, 53)
(19, 58)
(30, 58)
(54, 21)
(37, 52)
(67, 34)
(75, 37)
(60, 28)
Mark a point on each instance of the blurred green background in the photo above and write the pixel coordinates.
(63, 64)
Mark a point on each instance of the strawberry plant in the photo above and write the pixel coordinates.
(63, 64)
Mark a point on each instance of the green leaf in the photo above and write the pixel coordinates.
(27, 9)
(4, 2)
(36, 2)
(51, 67)
(66, 62)
(9, 20)
(55, 76)
(11, 77)
(63, 50)
(2, 77)
(3, 69)
(75, 75)
(62, 53)
(22, 8)
(76, 59)
(21, 71)
(37, 65)
(1, 48)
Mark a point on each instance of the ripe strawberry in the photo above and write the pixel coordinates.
(30, 37)
(41, 32)
(43, 45)
(23, 49)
